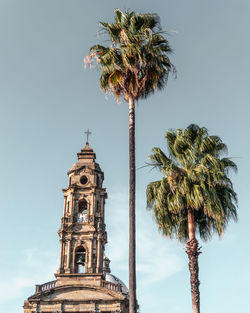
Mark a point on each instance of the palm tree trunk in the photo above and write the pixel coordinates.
(132, 263)
(193, 252)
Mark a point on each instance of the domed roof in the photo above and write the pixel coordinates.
(113, 279)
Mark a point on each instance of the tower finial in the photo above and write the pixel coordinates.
(87, 134)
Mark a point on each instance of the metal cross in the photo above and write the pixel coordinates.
(87, 134)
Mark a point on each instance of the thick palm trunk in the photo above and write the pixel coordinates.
(132, 263)
(193, 252)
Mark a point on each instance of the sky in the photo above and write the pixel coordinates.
(47, 102)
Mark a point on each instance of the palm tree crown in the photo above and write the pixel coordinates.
(195, 177)
(137, 61)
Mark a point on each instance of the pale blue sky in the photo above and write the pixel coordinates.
(48, 100)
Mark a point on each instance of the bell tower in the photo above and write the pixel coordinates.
(82, 233)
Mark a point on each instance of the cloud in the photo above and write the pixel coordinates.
(157, 257)
(14, 287)
(35, 258)
(36, 266)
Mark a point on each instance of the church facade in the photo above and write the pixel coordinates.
(83, 280)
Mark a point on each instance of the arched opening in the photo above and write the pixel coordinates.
(80, 260)
(82, 211)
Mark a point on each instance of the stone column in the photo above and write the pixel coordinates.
(101, 257)
(68, 255)
(72, 205)
(99, 254)
(90, 257)
(92, 205)
(61, 255)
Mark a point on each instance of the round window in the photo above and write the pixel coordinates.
(84, 180)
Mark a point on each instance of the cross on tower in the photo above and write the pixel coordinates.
(87, 134)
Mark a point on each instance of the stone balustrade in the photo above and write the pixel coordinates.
(111, 286)
(46, 286)
(52, 284)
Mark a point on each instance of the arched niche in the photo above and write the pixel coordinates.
(80, 260)
(82, 211)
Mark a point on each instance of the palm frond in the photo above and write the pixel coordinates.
(139, 51)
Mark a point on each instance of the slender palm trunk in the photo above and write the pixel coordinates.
(132, 263)
(193, 252)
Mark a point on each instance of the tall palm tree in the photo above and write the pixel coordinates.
(133, 66)
(195, 195)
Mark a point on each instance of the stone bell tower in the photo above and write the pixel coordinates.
(82, 233)
(83, 280)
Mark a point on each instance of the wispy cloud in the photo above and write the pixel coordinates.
(36, 267)
(157, 257)
(35, 258)
(14, 287)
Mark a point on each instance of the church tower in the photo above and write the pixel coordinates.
(82, 233)
(83, 280)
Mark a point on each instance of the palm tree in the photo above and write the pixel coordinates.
(133, 66)
(195, 195)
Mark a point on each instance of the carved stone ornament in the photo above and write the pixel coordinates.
(77, 228)
(88, 170)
